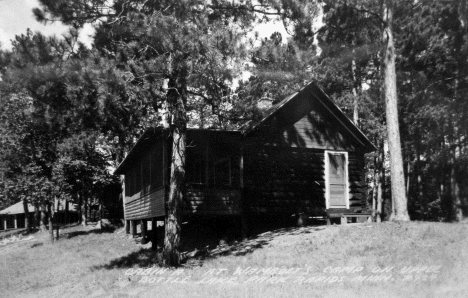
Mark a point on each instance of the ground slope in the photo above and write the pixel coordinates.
(360, 260)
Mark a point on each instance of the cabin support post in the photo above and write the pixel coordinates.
(343, 220)
(16, 221)
(5, 222)
(143, 228)
(300, 219)
(154, 234)
(127, 227)
(133, 227)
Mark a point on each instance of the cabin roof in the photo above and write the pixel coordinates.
(19, 209)
(317, 94)
(153, 134)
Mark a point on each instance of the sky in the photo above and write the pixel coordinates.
(16, 17)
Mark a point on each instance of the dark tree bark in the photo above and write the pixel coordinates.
(399, 198)
(57, 224)
(26, 216)
(67, 212)
(177, 99)
(172, 230)
(37, 216)
(51, 222)
(119, 158)
(455, 189)
(84, 210)
(80, 204)
(43, 218)
(461, 67)
(380, 182)
(122, 195)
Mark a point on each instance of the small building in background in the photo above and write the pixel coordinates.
(14, 217)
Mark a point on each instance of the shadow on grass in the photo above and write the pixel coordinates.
(93, 231)
(144, 257)
(258, 240)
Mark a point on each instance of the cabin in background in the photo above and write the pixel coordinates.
(13, 217)
(305, 157)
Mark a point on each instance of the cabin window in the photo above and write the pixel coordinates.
(336, 179)
(222, 171)
(146, 175)
(195, 165)
(133, 181)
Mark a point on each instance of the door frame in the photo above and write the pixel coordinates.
(327, 178)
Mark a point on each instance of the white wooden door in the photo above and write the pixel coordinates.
(336, 177)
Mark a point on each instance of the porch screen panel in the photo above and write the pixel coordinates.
(130, 188)
(127, 185)
(337, 179)
(157, 167)
(146, 174)
(195, 165)
(138, 184)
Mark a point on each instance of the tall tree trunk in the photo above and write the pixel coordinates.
(43, 218)
(119, 158)
(408, 176)
(37, 217)
(122, 195)
(455, 189)
(27, 222)
(374, 189)
(100, 213)
(80, 204)
(57, 223)
(381, 181)
(461, 68)
(66, 213)
(399, 199)
(172, 227)
(177, 98)
(355, 90)
(51, 222)
(418, 169)
(84, 210)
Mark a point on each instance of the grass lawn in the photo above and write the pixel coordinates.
(361, 260)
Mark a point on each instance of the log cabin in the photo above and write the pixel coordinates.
(304, 157)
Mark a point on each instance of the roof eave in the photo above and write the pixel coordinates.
(358, 134)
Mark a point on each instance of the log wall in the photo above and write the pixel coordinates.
(208, 200)
(150, 205)
(284, 161)
(291, 180)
